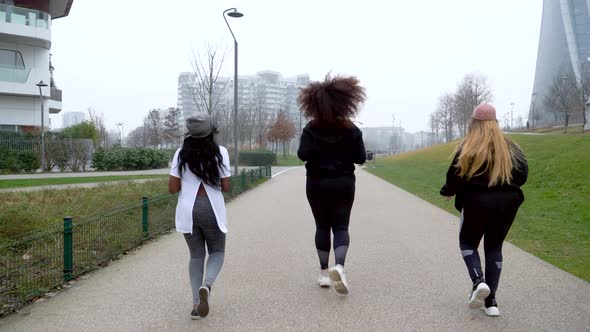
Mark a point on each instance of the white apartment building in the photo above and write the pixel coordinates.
(72, 118)
(25, 41)
(268, 89)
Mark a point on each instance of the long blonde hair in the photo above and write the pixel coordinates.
(486, 149)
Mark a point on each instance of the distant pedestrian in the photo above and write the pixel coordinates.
(485, 177)
(201, 172)
(331, 144)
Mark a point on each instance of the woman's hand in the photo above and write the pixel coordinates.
(448, 198)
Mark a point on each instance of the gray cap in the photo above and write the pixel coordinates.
(199, 125)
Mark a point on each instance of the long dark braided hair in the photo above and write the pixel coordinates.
(203, 158)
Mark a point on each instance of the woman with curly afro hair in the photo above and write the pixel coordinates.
(330, 145)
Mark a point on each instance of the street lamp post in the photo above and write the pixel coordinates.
(121, 132)
(42, 85)
(233, 12)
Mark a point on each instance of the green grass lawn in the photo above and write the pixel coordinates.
(74, 180)
(554, 221)
(23, 212)
(291, 160)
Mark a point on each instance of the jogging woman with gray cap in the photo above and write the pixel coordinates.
(485, 177)
(201, 173)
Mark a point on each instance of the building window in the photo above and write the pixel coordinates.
(10, 58)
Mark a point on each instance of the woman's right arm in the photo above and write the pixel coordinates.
(451, 187)
(305, 145)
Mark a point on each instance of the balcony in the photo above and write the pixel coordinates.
(54, 102)
(15, 74)
(23, 25)
(24, 16)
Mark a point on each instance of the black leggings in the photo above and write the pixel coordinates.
(331, 201)
(489, 217)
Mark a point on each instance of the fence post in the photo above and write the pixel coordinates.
(68, 249)
(243, 180)
(268, 171)
(259, 172)
(144, 216)
(251, 176)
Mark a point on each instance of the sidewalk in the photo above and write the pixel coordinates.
(404, 269)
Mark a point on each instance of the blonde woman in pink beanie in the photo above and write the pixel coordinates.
(485, 177)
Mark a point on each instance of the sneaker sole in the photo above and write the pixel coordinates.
(203, 307)
(339, 286)
(488, 314)
(478, 297)
(195, 317)
(325, 285)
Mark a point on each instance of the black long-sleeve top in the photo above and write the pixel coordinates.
(331, 152)
(458, 186)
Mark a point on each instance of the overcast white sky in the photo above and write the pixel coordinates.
(123, 57)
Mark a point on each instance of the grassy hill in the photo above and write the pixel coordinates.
(554, 221)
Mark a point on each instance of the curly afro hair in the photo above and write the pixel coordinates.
(332, 102)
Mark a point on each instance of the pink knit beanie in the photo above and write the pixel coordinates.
(484, 112)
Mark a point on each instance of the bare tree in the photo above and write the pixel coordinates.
(98, 121)
(446, 114)
(172, 133)
(137, 137)
(207, 66)
(154, 128)
(434, 124)
(563, 98)
(473, 90)
(519, 122)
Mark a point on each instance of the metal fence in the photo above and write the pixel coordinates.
(63, 153)
(36, 263)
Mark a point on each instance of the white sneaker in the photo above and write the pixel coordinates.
(324, 278)
(478, 295)
(338, 278)
(491, 311)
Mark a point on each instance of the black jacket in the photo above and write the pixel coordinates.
(478, 184)
(331, 152)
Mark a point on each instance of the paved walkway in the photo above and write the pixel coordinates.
(404, 269)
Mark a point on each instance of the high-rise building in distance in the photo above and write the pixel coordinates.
(564, 49)
(73, 118)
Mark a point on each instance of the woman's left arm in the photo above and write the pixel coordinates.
(174, 180)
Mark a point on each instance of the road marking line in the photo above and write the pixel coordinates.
(281, 172)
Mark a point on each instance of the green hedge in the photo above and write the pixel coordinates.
(14, 161)
(123, 159)
(257, 158)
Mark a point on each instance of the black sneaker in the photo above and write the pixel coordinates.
(478, 294)
(203, 307)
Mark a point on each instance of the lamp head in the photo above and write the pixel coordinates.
(235, 14)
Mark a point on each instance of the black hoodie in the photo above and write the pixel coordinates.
(478, 184)
(331, 152)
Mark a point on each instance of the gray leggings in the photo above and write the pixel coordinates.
(205, 231)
